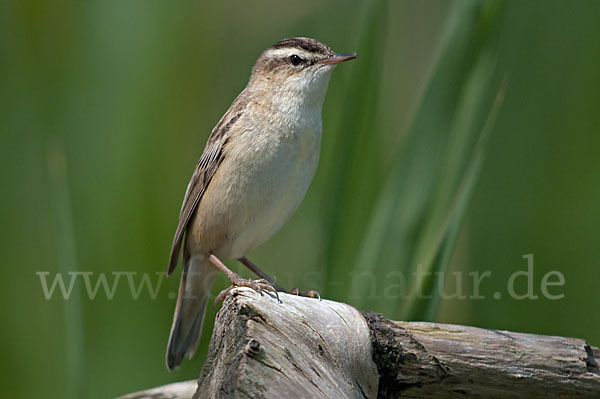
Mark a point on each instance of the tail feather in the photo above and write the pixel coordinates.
(196, 281)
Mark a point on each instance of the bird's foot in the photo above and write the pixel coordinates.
(237, 281)
(310, 294)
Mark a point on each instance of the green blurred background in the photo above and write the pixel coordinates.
(105, 108)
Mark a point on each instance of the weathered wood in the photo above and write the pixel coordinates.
(417, 360)
(298, 348)
(306, 348)
(177, 390)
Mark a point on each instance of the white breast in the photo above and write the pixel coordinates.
(267, 175)
(270, 160)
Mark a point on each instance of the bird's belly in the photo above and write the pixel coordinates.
(255, 191)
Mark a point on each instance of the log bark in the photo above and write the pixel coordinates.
(307, 348)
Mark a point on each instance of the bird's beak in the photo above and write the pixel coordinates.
(337, 58)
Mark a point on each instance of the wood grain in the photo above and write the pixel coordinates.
(307, 348)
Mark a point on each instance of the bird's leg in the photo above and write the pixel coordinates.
(256, 270)
(246, 262)
(238, 281)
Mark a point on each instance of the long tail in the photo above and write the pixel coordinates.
(196, 281)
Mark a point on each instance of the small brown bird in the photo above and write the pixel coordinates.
(255, 169)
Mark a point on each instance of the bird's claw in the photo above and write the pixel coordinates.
(309, 294)
(257, 285)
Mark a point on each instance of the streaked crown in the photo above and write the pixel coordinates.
(297, 68)
(292, 56)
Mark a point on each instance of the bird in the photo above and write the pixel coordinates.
(255, 169)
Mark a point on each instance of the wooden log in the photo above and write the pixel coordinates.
(299, 347)
(430, 360)
(177, 390)
(307, 348)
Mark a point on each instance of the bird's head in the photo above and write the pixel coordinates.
(298, 67)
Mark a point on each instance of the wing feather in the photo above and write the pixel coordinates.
(205, 169)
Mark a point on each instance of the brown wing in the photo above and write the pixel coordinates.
(203, 173)
(205, 169)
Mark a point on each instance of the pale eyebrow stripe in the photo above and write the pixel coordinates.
(286, 52)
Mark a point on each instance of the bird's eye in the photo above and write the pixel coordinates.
(295, 60)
